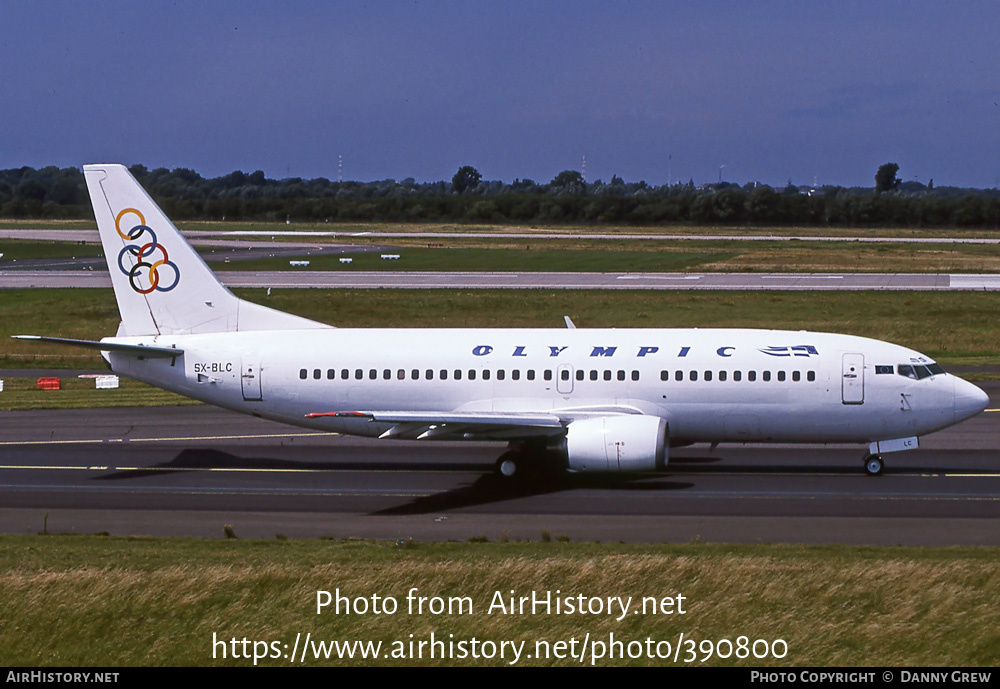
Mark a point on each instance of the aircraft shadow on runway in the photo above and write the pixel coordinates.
(488, 488)
(491, 488)
(195, 459)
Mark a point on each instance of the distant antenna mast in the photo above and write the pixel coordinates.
(583, 167)
(340, 168)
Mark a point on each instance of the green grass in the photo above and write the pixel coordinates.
(462, 228)
(952, 327)
(101, 601)
(24, 224)
(21, 249)
(465, 228)
(460, 252)
(78, 393)
(643, 255)
(498, 259)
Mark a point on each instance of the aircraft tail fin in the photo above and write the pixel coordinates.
(161, 284)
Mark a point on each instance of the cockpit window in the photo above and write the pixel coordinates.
(918, 372)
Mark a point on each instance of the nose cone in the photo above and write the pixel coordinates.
(969, 400)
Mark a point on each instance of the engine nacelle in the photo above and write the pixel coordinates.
(617, 443)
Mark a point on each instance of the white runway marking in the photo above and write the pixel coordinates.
(660, 277)
(974, 281)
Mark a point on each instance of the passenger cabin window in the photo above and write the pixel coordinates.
(501, 374)
(531, 374)
(515, 374)
(737, 376)
(811, 376)
(679, 376)
(796, 376)
(547, 375)
(607, 375)
(621, 375)
(766, 376)
(331, 374)
(781, 376)
(635, 375)
(317, 374)
(722, 376)
(708, 375)
(303, 374)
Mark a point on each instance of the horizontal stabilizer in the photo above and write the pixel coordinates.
(135, 350)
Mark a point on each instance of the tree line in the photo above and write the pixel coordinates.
(52, 192)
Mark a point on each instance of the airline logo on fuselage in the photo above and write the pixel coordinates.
(647, 350)
(796, 350)
(148, 247)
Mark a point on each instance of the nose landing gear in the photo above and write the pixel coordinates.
(874, 465)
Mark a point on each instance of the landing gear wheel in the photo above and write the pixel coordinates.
(507, 466)
(874, 465)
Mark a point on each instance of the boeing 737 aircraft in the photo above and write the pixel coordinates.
(603, 400)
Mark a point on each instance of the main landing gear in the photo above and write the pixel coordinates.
(874, 465)
(509, 464)
(527, 459)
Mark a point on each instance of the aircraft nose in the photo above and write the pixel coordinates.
(969, 400)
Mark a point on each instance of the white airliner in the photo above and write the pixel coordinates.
(602, 400)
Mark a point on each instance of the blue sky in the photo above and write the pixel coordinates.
(646, 90)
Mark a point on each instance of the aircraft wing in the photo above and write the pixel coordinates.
(457, 425)
(472, 425)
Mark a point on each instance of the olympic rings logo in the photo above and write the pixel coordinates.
(148, 269)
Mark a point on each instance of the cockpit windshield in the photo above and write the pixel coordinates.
(919, 371)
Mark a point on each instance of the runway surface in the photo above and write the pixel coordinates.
(294, 279)
(192, 470)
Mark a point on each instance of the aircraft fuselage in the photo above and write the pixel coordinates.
(712, 385)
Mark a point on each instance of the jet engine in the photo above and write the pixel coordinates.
(617, 443)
